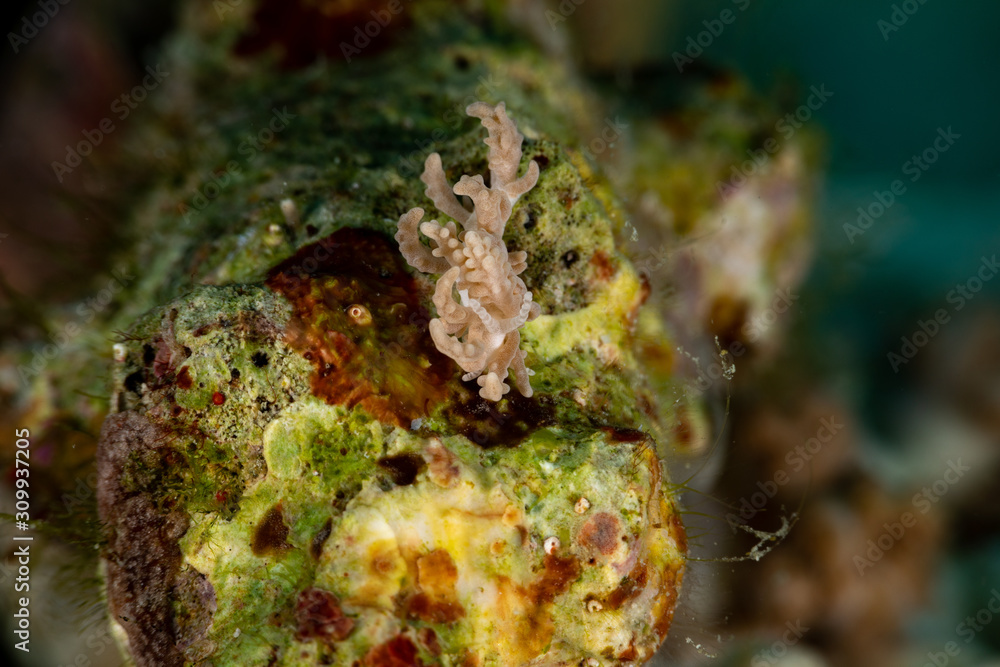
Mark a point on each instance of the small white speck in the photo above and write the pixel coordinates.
(593, 606)
(119, 352)
(582, 505)
(290, 212)
(236, 634)
(315, 473)
(416, 423)
(551, 544)
(593, 662)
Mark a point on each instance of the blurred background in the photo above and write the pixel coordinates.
(892, 347)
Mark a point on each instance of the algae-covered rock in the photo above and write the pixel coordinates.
(290, 472)
(295, 471)
(294, 474)
(287, 478)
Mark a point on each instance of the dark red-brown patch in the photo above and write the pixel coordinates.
(303, 31)
(678, 532)
(668, 601)
(629, 587)
(625, 434)
(316, 548)
(402, 468)
(218, 398)
(630, 653)
(318, 616)
(391, 368)
(271, 535)
(399, 651)
(503, 424)
(428, 638)
(430, 610)
(600, 532)
(556, 577)
(604, 268)
(184, 380)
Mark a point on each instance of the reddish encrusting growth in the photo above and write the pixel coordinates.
(504, 424)
(678, 532)
(390, 366)
(600, 532)
(604, 268)
(399, 651)
(436, 600)
(303, 30)
(184, 380)
(428, 638)
(667, 601)
(625, 434)
(630, 587)
(318, 616)
(556, 577)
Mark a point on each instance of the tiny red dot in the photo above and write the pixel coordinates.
(218, 398)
